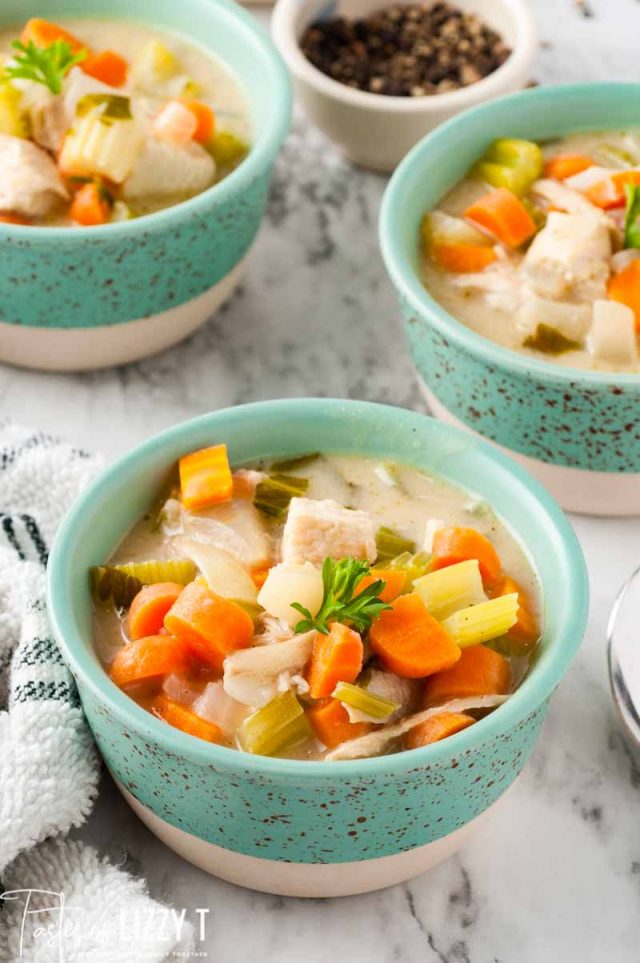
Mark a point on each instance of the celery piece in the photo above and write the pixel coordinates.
(632, 216)
(227, 150)
(358, 698)
(549, 340)
(102, 142)
(390, 544)
(511, 163)
(108, 107)
(449, 589)
(608, 155)
(275, 727)
(111, 585)
(180, 570)
(484, 621)
(121, 212)
(413, 565)
(13, 121)
(154, 64)
(292, 464)
(272, 496)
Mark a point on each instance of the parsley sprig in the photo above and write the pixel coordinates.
(46, 65)
(340, 602)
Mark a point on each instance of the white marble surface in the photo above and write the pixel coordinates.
(556, 875)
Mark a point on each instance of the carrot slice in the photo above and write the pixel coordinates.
(437, 728)
(625, 288)
(107, 66)
(152, 657)
(479, 672)
(330, 722)
(610, 191)
(410, 642)
(149, 607)
(205, 478)
(182, 718)
(461, 258)
(526, 630)
(504, 215)
(43, 33)
(7, 218)
(206, 120)
(563, 166)
(453, 545)
(211, 626)
(394, 582)
(336, 657)
(89, 206)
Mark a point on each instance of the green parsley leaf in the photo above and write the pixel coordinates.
(45, 65)
(340, 602)
(632, 217)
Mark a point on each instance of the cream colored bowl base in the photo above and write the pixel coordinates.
(84, 349)
(312, 880)
(575, 489)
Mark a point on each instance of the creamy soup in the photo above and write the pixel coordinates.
(538, 249)
(105, 121)
(330, 607)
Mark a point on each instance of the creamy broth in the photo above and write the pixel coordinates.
(395, 497)
(499, 322)
(198, 75)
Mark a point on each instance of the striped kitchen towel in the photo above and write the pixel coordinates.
(49, 769)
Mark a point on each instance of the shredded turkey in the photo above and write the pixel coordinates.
(252, 676)
(376, 742)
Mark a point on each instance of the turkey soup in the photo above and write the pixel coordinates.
(326, 607)
(104, 121)
(538, 249)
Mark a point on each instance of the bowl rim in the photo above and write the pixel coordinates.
(262, 152)
(533, 691)
(520, 58)
(420, 299)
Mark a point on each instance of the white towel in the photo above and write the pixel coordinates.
(48, 765)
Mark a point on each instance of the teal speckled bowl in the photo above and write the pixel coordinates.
(315, 828)
(74, 298)
(577, 431)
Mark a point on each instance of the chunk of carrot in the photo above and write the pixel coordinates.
(330, 722)
(43, 33)
(336, 657)
(259, 575)
(205, 118)
(479, 672)
(625, 288)
(461, 258)
(526, 629)
(182, 718)
(437, 728)
(108, 67)
(205, 478)
(394, 580)
(147, 659)
(563, 166)
(149, 607)
(208, 624)
(452, 545)
(610, 191)
(90, 206)
(410, 642)
(504, 215)
(7, 218)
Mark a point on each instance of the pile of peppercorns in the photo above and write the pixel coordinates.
(406, 50)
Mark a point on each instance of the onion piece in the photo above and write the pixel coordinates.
(223, 573)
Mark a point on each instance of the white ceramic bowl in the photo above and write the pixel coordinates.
(375, 130)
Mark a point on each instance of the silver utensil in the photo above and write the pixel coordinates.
(623, 654)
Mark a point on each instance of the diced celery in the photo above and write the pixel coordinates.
(390, 544)
(632, 217)
(273, 495)
(609, 155)
(292, 464)
(110, 585)
(482, 622)
(452, 588)
(180, 570)
(276, 727)
(154, 64)
(102, 140)
(511, 163)
(108, 107)
(413, 565)
(227, 150)
(358, 698)
(13, 121)
(549, 340)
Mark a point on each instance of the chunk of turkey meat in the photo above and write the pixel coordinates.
(29, 180)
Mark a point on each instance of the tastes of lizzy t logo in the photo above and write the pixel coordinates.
(36, 918)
